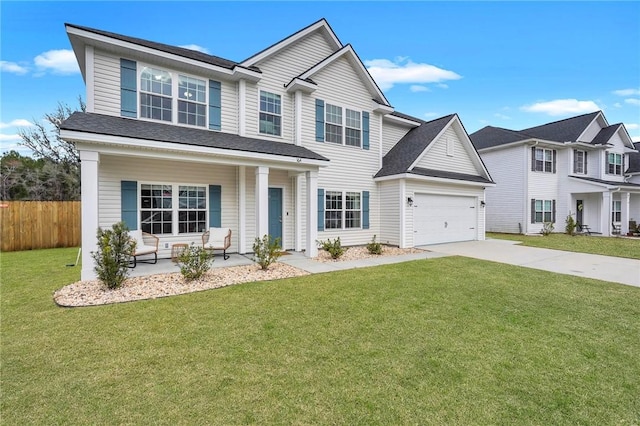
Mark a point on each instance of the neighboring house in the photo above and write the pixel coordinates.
(578, 166)
(633, 172)
(297, 142)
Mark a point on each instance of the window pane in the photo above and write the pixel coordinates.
(333, 133)
(270, 114)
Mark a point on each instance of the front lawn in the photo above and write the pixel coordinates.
(442, 341)
(608, 246)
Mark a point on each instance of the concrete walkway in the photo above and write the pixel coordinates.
(606, 268)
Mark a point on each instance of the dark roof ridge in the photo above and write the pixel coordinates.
(564, 119)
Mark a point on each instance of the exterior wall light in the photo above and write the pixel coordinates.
(482, 203)
(410, 201)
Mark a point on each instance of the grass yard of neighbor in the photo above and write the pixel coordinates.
(441, 341)
(593, 244)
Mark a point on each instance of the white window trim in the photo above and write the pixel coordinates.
(614, 210)
(344, 210)
(344, 126)
(543, 211)
(543, 160)
(282, 97)
(583, 162)
(607, 163)
(175, 81)
(175, 203)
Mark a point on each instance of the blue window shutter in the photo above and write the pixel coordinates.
(365, 209)
(365, 130)
(319, 120)
(129, 203)
(128, 89)
(215, 206)
(215, 105)
(320, 209)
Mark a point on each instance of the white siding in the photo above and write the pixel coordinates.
(229, 107)
(106, 84)
(505, 210)
(437, 157)
(391, 134)
(590, 133)
(390, 213)
(113, 170)
(545, 186)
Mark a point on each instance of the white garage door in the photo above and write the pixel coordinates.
(444, 219)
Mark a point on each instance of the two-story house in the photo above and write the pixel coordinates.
(297, 142)
(572, 167)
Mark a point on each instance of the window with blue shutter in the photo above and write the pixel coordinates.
(215, 206)
(129, 203)
(365, 209)
(128, 88)
(320, 209)
(215, 105)
(319, 120)
(365, 130)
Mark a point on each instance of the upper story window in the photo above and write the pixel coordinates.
(579, 161)
(155, 94)
(614, 164)
(543, 160)
(270, 113)
(341, 127)
(192, 101)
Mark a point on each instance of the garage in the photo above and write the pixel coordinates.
(444, 219)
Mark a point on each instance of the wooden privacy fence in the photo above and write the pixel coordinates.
(28, 225)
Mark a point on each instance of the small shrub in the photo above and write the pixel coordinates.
(334, 248)
(373, 247)
(194, 262)
(266, 251)
(113, 255)
(570, 226)
(547, 228)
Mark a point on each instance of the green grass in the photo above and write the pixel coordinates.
(608, 246)
(442, 341)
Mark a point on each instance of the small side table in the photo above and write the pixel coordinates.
(177, 249)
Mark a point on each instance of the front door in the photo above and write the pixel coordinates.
(579, 207)
(275, 213)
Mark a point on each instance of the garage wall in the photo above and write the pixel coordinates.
(414, 187)
(390, 228)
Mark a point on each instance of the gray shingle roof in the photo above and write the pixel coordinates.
(634, 159)
(605, 134)
(180, 51)
(448, 175)
(490, 136)
(404, 153)
(609, 182)
(137, 129)
(566, 130)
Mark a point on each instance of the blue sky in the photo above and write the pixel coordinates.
(506, 64)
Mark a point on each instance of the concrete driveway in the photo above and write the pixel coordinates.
(606, 268)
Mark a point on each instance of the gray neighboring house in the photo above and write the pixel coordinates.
(581, 166)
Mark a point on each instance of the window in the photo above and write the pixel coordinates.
(192, 106)
(614, 164)
(341, 127)
(192, 209)
(616, 211)
(270, 114)
(543, 160)
(543, 211)
(158, 208)
(343, 210)
(155, 94)
(579, 162)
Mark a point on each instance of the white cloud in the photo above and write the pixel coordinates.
(562, 107)
(9, 138)
(403, 71)
(627, 92)
(430, 114)
(12, 67)
(632, 101)
(442, 85)
(502, 116)
(195, 47)
(20, 122)
(632, 126)
(57, 61)
(418, 88)
(617, 105)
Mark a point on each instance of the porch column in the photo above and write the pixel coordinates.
(242, 209)
(89, 204)
(262, 201)
(605, 217)
(625, 203)
(312, 213)
(299, 216)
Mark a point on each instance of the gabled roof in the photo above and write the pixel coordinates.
(605, 134)
(567, 130)
(160, 132)
(348, 52)
(179, 51)
(402, 157)
(321, 25)
(490, 136)
(634, 160)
